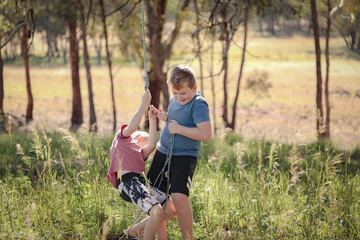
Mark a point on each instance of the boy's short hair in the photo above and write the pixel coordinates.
(139, 133)
(182, 74)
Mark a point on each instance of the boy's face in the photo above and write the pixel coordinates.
(184, 94)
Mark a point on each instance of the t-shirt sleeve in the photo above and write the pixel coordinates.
(201, 111)
(121, 129)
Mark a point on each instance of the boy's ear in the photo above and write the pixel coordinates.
(195, 88)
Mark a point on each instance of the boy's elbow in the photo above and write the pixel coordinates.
(207, 136)
(152, 146)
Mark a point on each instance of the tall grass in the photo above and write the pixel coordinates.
(54, 186)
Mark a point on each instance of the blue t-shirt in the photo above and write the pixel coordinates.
(196, 111)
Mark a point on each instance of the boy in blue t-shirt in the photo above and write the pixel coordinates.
(189, 120)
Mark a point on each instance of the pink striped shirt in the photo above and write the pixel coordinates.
(125, 154)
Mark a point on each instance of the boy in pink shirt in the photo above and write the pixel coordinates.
(129, 150)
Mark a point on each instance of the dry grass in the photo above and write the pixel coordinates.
(288, 114)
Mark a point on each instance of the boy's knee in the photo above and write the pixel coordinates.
(169, 211)
(156, 212)
(179, 199)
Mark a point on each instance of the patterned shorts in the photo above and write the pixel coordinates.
(133, 189)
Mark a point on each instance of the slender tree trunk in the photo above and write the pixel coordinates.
(199, 45)
(271, 23)
(29, 109)
(353, 38)
(55, 42)
(92, 123)
(77, 114)
(259, 18)
(48, 43)
(1, 83)
(225, 69)
(327, 101)
(234, 110)
(213, 83)
(64, 50)
(98, 50)
(108, 58)
(319, 108)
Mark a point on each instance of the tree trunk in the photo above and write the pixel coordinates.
(353, 38)
(55, 42)
(49, 50)
(271, 23)
(233, 119)
(212, 82)
(225, 69)
(98, 49)
(1, 83)
(108, 58)
(259, 18)
(197, 35)
(160, 51)
(327, 101)
(64, 50)
(92, 123)
(319, 108)
(155, 25)
(77, 114)
(24, 48)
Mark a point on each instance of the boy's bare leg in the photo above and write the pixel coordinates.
(138, 229)
(161, 233)
(169, 213)
(184, 214)
(152, 224)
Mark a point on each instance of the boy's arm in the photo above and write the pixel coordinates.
(149, 148)
(202, 131)
(136, 119)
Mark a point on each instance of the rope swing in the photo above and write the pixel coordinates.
(171, 143)
(146, 80)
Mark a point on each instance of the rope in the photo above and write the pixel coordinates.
(172, 139)
(146, 78)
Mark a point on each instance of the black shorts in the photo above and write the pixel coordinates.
(182, 169)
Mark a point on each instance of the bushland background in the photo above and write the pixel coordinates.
(284, 178)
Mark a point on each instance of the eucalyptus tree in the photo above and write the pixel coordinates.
(346, 20)
(67, 10)
(84, 21)
(273, 10)
(71, 17)
(7, 24)
(50, 20)
(24, 6)
(325, 8)
(22, 13)
(108, 58)
(319, 106)
(229, 16)
(160, 48)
